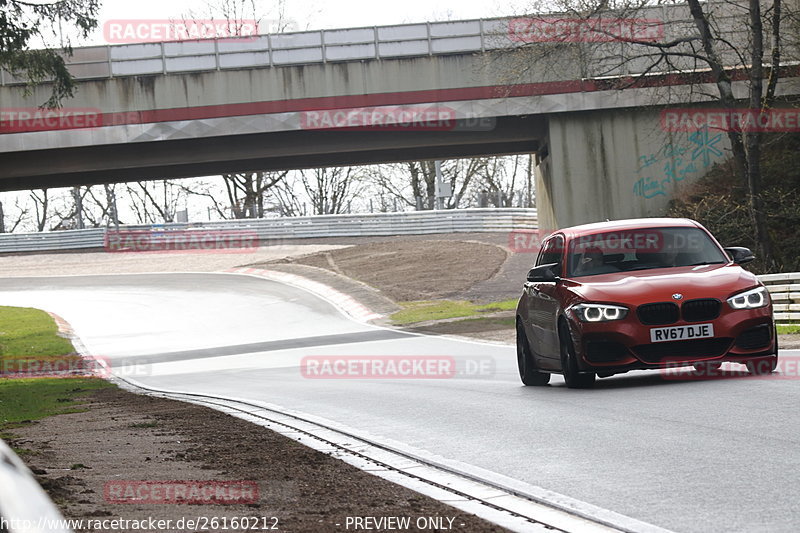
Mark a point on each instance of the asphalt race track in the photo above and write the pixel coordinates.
(711, 455)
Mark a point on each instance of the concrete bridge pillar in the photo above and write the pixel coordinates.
(615, 164)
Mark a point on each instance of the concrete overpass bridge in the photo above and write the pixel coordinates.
(365, 95)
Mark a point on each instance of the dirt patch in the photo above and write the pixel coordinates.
(126, 437)
(413, 270)
(789, 342)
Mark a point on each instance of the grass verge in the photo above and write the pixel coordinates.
(424, 310)
(788, 330)
(29, 340)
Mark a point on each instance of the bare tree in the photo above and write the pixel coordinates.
(331, 190)
(20, 217)
(246, 191)
(474, 182)
(210, 191)
(719, 42)
(326, 191)
(458, 173)
(66, 207)
(41, 205)
(99, 206)
(287, 201)
(154, 202)
(269, 15)
(500, 179)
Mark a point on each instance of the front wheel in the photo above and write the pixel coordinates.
(569, 363)
(527, 369)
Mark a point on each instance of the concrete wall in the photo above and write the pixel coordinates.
(618, 164)
(146, 92)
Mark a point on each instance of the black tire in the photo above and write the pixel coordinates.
(569, 363)
(528, 373)
(761, 367)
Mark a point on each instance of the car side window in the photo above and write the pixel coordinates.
(552, 252)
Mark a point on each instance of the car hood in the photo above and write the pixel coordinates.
(658, 285)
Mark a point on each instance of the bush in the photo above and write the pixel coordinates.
(719, 202)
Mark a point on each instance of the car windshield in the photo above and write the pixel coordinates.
(641, 249)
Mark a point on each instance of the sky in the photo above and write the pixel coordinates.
(314, 14)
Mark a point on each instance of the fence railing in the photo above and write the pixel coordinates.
(350, 44)
(276, 229)
(785, 292)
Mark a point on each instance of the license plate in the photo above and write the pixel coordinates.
(682, 333)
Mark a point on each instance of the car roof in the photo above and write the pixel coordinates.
(629, 224)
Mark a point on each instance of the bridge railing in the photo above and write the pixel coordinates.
(276, 229)
(357, 44)
(351, 44)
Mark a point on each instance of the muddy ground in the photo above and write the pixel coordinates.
(413, 270)
(126, 437)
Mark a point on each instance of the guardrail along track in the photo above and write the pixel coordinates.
(275, 229)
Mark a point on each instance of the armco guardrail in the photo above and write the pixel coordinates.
(24, 506)
(269, 229)
(785, 292)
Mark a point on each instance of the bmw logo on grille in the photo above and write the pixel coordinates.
(677, 296)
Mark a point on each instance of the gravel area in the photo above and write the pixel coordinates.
(413, 269)
(125, 438)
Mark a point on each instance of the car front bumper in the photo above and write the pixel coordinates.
(619, 346)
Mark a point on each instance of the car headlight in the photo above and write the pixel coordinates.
(599, 312)
(752, 299)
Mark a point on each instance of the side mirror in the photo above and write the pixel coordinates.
(740, 255)
(543, 273)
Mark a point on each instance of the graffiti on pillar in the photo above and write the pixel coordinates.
(659, 171)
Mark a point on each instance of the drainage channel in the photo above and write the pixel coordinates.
(518, 509)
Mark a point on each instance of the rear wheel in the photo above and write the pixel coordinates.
(527, 368)
(569, 362)
(759, 367)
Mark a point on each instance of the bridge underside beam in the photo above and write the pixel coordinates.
(268, 151)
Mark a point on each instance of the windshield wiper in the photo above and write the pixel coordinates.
(650, 267)
(705, 263)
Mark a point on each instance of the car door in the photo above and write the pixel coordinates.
(543, 305)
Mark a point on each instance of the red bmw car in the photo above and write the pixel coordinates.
(611, 297)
